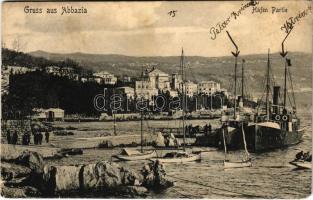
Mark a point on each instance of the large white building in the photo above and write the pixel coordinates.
(159, 79)
(208, 87)
(105, 78)
(152, 82)
(191, 88)
(145, 89)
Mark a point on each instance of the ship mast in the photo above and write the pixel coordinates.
(235, 92)
(235, 54)
(141, 116)
(114, 118)
(285, 87)
(268, 86)
(283, 53)
(183, 92)
(242, 81)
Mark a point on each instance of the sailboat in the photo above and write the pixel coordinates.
(233, 133)
(133, 155)
(245, 162)
(278, 127)
(181, 157)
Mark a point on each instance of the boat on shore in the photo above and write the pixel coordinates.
(133, 155)
(178, 157)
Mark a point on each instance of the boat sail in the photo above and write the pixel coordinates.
(245, 162)
(278, 127)
(133, 155)
(181, 157)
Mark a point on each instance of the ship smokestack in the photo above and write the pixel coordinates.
(276, 98)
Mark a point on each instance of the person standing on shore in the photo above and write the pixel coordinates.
(40, 136)
(24, 139)
(28, 138)
(8, 137)
(47, 134)
(210, 128)
(14, 138)
(205, 129)
(35, 138)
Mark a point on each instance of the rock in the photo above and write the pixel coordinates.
(159, 141)
(104, 175)
(106, 144)
(33, 160)
(9, 152)
(129, 177)
(133, 191)
(71, 151)
(10, 171)
(154, 176)
(171, 142)
(62, 133)
(61, 178)
(20, 192)
(9, 192)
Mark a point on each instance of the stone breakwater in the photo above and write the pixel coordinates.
(28, 176)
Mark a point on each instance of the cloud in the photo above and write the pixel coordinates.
(100, 16)
(145, 28)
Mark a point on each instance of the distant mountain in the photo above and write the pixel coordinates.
(198, 68)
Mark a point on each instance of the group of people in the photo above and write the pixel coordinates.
(304, 156)
(12, 139)
(26, 138)
(191, 130)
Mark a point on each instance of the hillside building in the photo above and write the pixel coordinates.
(105, 77)
(208, 87)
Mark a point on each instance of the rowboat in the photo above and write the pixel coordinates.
(180, 157)
(302, 164)
(238, 164)
(133, 155)
(246, 162)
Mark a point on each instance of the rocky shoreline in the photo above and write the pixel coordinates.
(27, 175)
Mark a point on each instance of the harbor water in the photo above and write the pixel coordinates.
(271, 175)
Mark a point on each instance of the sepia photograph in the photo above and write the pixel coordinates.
(156, 99)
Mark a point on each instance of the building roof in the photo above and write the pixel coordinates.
(55, 109)
(157, 71)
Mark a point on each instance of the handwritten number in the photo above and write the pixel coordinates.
(172, 13)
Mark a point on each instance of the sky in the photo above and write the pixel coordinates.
(146, 28)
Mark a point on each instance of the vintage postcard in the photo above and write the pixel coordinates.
(192, 99)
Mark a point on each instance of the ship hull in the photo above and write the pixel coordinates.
(264, 138)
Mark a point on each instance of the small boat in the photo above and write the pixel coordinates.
(238, 164)
(246, 162)
(178, 157)
(302, 164)
(302, 160)
(133, 155)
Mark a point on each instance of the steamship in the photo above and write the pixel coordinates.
(276, 125)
